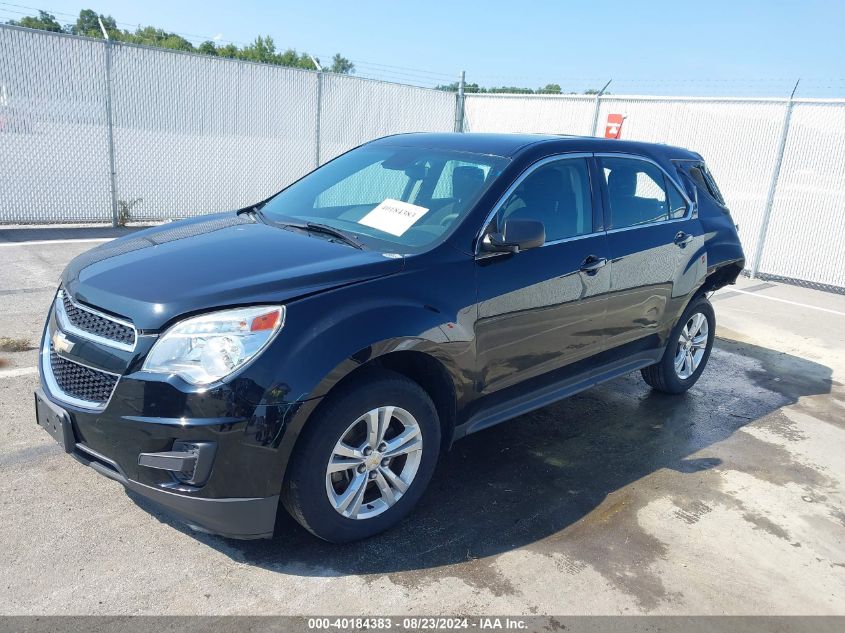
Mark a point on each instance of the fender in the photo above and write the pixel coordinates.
(300, 413)
(328, 336)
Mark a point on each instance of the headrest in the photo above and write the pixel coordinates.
(622, 181)
(466, 180)
(541, 188)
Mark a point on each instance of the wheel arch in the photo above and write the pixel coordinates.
(431, 372)
(721, 276)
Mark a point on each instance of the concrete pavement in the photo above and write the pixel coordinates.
(728, 500)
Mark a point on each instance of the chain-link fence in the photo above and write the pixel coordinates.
(54, 162)
(780, 163)
(189, 134)
(177, 134)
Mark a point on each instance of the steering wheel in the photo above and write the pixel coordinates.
(447, 219)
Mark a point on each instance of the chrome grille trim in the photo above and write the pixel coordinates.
(53, 386)
(67, 326)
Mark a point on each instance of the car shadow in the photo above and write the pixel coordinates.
(534, 477)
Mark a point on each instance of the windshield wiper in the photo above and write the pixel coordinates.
(254, 211)
(346, 236)
(325, 229)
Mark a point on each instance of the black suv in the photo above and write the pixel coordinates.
(322, 347)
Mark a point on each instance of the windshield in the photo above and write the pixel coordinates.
(389, 198)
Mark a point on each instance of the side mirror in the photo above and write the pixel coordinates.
(516, 235)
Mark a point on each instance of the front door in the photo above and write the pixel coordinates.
(543, 308)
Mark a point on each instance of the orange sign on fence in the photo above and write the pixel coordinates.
(614, 126)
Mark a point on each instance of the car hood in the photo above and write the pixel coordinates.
(156, 275)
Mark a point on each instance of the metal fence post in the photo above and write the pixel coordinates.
(459, 103)
(319, 117)
(770, 196)
(115, 220)
(597, 106)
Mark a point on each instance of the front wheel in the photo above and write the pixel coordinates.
(687, 350)
(365, 459)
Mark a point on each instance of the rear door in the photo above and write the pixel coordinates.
(543, 308)
(655, 243)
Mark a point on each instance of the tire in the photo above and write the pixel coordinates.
(664, 376)
(316, 498)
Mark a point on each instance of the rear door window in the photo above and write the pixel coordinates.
(677, 203)
(636, 192)
(640, 193)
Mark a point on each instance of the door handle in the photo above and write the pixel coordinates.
(682, 239)
(592, 264)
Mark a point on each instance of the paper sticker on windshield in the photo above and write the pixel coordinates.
(393, 216)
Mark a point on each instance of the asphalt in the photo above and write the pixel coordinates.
(727, 500)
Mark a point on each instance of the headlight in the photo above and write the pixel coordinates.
(207, 348)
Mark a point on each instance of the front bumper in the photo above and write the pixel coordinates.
(233, 517)
(245, 419)
(250, 518)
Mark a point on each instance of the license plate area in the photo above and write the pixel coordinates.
(55, 421)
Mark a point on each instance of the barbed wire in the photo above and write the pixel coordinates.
(759, 86)
(405, 71)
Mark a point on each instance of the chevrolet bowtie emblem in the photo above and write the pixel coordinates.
(61, 343)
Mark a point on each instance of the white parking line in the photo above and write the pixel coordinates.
(18, 371)
(794, 303)
(75, 241)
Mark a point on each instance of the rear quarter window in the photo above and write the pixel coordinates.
(705, 182)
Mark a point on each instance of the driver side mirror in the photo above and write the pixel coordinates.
(516, 235)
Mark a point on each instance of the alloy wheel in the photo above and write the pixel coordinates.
(692, 343)
(374, 462)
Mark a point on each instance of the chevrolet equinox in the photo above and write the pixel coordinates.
(322, 347)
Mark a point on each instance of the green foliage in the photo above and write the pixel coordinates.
(151, 36)
(262, 49)
(87, 24)
(511, 90)
(44, 21)
(208, 48)
(124, 210)
(468, 88)
(475, 88)
(229, 50)
(341, 65)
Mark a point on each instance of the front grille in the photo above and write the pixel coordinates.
(96, 324)
(81, 382)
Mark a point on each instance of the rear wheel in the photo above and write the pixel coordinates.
(687, 350)
(365, 459)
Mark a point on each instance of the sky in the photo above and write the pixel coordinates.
(718, 48)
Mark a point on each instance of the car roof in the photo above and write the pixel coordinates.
(510, 145)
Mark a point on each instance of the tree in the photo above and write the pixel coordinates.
(262, 49)
(229, 50)
(552, 89)
(151, 36)
(207, 48)
(45, 22)
(468, 88)
(88, 24)
(341, 65)
(291, 58)
(512, 90)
